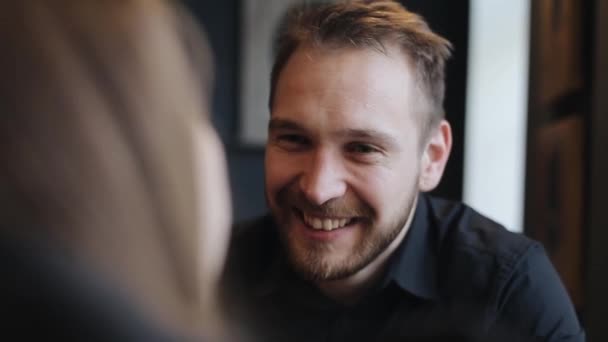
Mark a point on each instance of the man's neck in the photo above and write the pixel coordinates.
(350, 290)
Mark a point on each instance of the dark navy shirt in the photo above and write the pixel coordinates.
(456, 273)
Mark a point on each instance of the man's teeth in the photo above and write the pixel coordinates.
(325, 223)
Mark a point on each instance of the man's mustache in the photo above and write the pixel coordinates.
(336, 207)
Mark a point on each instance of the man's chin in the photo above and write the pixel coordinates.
(317, 263)
(319, 271)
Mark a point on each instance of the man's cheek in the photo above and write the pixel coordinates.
(278, 175)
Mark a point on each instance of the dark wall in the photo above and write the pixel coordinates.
(597, 237)
(450, 19)
(221, 20)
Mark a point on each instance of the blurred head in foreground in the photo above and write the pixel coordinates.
(107, 150)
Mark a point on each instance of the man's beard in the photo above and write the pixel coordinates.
(311, 260)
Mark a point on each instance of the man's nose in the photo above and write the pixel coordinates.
(323, 178)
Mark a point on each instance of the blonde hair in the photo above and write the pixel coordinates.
(98, 100)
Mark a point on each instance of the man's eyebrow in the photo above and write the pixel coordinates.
(284, 124)
(369, 134)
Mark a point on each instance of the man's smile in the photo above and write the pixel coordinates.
(324, 222)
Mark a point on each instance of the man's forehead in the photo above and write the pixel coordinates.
(355, 73)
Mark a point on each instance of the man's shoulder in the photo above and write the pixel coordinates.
(254, 228)
(511, 273)
(463, 230)
(253, 247)
(476, 255)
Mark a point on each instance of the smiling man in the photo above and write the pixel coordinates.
(343, 161)
(353, 248)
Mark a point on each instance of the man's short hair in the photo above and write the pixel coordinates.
(368, 24)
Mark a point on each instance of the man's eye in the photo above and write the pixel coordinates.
(292, 138)
(291, 141)
(362, 148)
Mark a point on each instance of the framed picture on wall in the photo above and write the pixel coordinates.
(260, 22)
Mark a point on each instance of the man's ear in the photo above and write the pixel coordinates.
(435, 156)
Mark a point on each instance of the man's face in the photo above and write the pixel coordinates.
(343, 157)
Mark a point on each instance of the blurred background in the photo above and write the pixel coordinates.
(527, 97)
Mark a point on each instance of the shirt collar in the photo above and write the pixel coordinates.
(413, 266)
